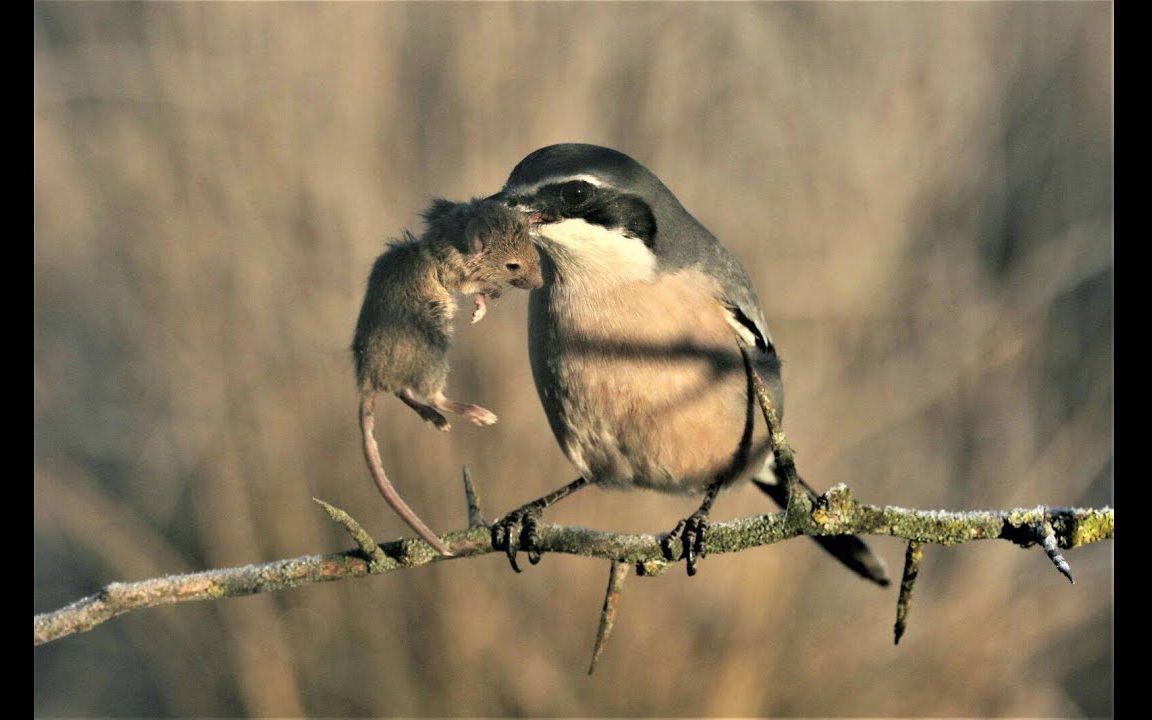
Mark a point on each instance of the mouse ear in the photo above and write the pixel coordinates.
(438, 209)
(478, 242)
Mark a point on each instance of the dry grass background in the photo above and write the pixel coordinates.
(922, 194)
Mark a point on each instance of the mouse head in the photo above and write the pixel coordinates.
(502, 249)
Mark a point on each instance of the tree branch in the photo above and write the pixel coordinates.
(835, 513)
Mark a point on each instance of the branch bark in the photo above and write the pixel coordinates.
(835, 513)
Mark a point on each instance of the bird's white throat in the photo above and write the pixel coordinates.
(594, 255)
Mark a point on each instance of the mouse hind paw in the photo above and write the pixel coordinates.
(477, 415)
(430, 414)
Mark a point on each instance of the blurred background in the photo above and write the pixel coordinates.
(922, 194)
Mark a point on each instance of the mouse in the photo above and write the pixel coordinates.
(405, 327)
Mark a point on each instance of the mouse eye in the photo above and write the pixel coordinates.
(577, 193)
(512, 266)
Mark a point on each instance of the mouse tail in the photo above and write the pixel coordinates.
(383, 484)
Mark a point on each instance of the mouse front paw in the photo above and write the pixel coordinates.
(481, 309)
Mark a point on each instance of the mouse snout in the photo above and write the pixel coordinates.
(530, 278)
(528, 282)
(522, 270)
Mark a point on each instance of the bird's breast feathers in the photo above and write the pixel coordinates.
(643, 380)
(587, 256)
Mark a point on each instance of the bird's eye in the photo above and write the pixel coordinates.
(577, 193)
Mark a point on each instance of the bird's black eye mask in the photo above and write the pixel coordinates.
(602, 206)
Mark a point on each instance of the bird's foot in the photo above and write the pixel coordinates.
(518, 531)
(690, 532)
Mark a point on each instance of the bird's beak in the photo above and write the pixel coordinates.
(535, 216)
(541, 217)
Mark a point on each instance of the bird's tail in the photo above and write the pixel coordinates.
(848, 549)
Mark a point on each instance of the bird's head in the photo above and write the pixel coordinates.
(593, 211)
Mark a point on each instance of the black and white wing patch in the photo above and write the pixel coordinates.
(747, 329)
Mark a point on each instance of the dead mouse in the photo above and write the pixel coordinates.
(404, 330)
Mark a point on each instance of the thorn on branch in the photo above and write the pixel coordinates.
(1048, 541)
(616, 576)
(912, 557)
(475, 518)
(360, 536)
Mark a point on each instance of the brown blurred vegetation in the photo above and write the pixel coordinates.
(922, 194)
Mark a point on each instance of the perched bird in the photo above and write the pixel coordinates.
(635, 343)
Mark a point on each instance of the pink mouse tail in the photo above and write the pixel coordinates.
(384, 485)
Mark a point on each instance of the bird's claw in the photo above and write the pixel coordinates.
(518, 530)
(691, 532)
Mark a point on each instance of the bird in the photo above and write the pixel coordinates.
(637, 342)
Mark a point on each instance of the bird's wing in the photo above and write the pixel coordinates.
(738, 297)
(742, 310)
